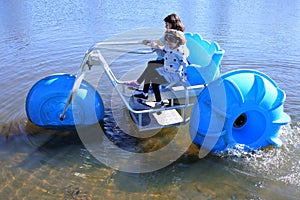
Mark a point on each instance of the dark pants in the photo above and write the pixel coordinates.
(151, 76)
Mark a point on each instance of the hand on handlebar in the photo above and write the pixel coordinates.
(153, 45)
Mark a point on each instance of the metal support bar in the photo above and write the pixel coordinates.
(94, 57)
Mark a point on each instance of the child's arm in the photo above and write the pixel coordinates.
(153, 44)
(157, 45)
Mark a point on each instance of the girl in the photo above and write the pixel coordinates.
(150, 75)
(174, 68)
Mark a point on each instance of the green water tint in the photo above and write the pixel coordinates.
(51, 164)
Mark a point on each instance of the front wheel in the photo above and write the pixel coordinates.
(47, 98)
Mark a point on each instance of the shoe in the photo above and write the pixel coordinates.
(159, 104)
(133, 84)
(141, 95)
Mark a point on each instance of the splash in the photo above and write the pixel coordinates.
(273, 164)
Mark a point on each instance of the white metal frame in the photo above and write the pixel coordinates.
(187, 93)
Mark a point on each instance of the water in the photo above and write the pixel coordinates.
(39, 38)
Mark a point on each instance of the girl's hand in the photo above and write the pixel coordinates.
(146, 42)
(153, 45)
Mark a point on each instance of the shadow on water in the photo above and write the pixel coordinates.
(236, 175)
(43, 145)
(40, 145)
(35, 150)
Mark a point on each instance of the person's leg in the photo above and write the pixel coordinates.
(150, 71)
(148, 74)
(144, 94)
(151, 76)
(156, 91)
(146, 87)
(155, 79)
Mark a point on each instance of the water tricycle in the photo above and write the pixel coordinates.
(243, 106)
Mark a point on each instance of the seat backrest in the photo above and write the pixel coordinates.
(201, 50)
(204, 58)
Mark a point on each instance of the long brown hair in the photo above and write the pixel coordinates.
(175, 22)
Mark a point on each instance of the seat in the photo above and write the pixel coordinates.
(204, 58)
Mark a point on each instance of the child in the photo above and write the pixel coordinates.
(176, 52)
(174, 68)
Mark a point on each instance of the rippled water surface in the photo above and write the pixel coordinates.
(39, 38)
